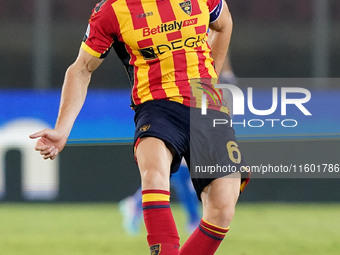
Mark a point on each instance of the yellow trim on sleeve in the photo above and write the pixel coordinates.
(155, 197)
(86, 48)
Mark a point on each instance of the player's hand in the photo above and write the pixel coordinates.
(51, 142)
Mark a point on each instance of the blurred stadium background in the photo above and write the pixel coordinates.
(68, 206)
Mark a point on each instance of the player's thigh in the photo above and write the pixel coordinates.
(219, 199)
(154, 161)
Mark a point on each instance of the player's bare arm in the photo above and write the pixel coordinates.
(219, 37)
(77, 79)
(74, 91)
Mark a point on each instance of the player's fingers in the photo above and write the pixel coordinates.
(54, 154)
(47, 151)
(44, 153)
(51, 155)
(38, 134)
(42, 147)
(47, 156)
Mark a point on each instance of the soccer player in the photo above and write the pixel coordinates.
(163, 45)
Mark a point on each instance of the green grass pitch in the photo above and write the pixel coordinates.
(84, 229)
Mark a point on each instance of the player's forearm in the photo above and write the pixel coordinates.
(72, 99)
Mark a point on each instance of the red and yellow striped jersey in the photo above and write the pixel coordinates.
(162, 43)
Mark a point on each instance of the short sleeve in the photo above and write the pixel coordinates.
(100, 31)
(215, 9)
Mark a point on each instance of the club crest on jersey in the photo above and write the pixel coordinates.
(186, 7)
(155, 249)
(143, 129)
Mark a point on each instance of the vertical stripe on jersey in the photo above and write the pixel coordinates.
(155, 79)
(209, 62)
(165, 11)
(202, 68)
(168, 81)
(180, 64)
(143, 85)
(136, 8)
(136, 99)
(195, 8)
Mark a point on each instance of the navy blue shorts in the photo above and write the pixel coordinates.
(209, 151)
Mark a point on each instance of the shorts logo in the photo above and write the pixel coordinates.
(143, 129)
(155, 249)
(148, 53)
(186, 7)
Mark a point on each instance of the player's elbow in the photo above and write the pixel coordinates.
(80, 68)
(77, 74)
